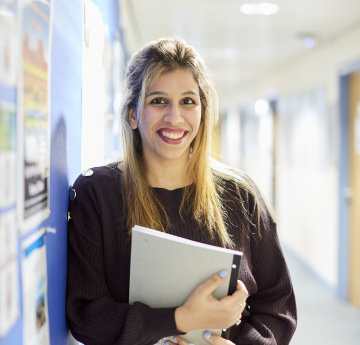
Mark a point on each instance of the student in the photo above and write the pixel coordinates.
(167, 181)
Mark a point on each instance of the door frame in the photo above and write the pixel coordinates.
(343, 167)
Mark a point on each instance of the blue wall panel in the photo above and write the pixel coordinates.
(65, 149)
(65, 154)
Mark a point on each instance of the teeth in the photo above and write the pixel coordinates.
(172, 135)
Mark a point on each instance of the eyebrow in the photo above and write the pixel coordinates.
(163, 93)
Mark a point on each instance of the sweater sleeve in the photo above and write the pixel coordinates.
(270, 317)
(95, 316)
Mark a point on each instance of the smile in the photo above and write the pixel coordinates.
(172, 135)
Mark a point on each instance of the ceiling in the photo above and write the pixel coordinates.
(238, 47)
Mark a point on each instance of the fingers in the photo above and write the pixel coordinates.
(237, 302)
(239, 296)
(241, 290)
(212, 283)
(202, 310)
(216, 340)
(176, 340)
(182, 342)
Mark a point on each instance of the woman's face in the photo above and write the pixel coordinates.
(170, 118)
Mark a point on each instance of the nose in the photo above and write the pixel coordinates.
(173, 115)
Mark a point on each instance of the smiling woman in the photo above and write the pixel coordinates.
(167, 182)
(169, 122)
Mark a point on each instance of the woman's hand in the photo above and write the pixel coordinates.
(202, 310)
(176, 340)
(213, 339)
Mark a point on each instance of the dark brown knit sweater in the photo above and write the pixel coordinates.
(97, 305)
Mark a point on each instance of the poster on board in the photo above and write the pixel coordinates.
(8, 79)
(9, 62)
(7, 154)
(9, 282)
(8, 42)
(34, 290)
(9, 278)
(34, 94)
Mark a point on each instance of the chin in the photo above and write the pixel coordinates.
(174, 156)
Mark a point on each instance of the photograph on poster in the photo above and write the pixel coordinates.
(35, 113)
(34, 289)
(9, 279)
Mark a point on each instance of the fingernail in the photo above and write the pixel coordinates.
(223, 273)
(174, 340)
(207, 334)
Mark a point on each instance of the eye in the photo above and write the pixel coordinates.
(158, 101)
(187, 101)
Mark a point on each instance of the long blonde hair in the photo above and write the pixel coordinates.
(204, 195)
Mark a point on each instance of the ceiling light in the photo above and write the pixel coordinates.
(261, 8)
(309, 42)
(308, 39)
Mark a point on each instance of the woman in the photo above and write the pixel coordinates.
(166, 182)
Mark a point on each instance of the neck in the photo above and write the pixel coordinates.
(168, 174)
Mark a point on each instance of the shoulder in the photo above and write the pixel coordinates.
(97, 181)
(99, 175)
(95, 197)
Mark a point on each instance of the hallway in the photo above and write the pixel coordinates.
(322, 319)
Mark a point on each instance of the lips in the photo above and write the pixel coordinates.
(171, 135)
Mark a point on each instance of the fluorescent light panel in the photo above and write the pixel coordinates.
(261, 8)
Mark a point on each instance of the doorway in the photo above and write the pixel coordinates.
(354, 188)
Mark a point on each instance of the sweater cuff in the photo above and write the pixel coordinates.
(160, 322)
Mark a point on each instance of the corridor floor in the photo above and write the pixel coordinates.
(322, 319)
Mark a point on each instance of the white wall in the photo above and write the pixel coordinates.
(230, 139)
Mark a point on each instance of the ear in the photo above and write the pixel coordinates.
(132, 119)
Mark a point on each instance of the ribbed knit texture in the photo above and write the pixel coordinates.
(99, 246)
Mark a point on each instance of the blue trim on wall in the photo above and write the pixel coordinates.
(8, 93)
(343, 239)
(8, 209)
